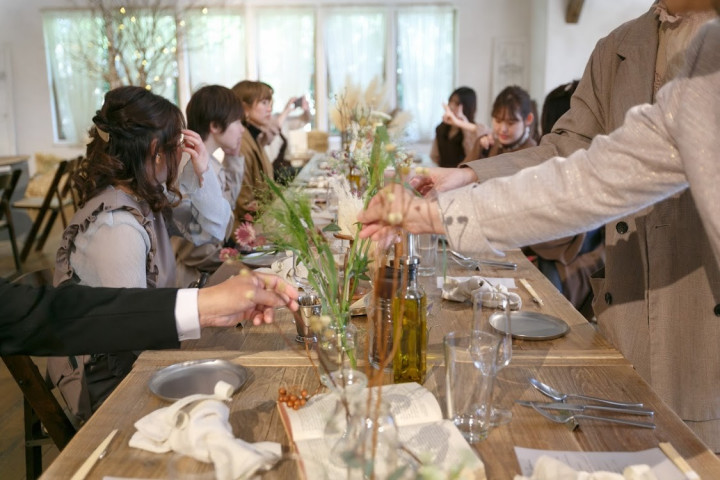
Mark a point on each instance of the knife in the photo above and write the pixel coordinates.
(572, 407)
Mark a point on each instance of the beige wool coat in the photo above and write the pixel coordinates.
(254, 187)
(659, 302)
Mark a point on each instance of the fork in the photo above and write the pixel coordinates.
(473, 264)
(569, 417)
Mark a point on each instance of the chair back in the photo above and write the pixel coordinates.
(41, 408)
(8, 182)
(57, 197)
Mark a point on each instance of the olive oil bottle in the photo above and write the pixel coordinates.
(410, 327)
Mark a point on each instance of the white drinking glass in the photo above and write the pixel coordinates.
(491, 313)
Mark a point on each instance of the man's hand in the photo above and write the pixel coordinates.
(396, 207)
(244, 296)
(443, 179)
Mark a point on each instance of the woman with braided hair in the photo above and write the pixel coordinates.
(132, 177)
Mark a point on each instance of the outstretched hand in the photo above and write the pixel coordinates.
(247, 295)
(396, 207)
(439, 179)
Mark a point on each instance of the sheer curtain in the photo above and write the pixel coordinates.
(426, 66)
(76, 94)
(215, 46)
(286, 52)
(354, 47)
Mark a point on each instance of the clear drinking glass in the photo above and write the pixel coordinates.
(491, 313)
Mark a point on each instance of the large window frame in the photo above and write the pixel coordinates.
(192, 72)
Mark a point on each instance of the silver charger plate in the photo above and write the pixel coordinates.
(196, 376)
(530, 325)
(262, 259)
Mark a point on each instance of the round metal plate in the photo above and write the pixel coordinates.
(198, 376)
(530, 325)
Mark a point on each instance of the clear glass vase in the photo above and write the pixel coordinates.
(370, 449)
(337, 347)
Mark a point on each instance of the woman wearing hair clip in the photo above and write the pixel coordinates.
(129, 185)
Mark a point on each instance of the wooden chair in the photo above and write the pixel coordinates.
(58, 197)
(44, 418)
(8, 182)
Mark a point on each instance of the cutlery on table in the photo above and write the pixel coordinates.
(469, 262)
(96, 455)
(533, 294)
(572, 407)
(571, 418)
(547, 390)
(679, 461)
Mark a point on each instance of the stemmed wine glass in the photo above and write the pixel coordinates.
(491, 313)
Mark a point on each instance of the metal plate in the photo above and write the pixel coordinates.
(262, 259)
(197, 376)
(530, 325)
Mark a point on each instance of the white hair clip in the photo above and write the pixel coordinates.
(105, 136)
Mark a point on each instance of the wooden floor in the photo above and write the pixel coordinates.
(12, 448)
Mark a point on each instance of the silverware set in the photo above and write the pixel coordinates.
(569, 413)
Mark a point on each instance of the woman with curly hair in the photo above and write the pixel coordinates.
(128, 184)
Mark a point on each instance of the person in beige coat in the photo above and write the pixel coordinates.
(256, 98)
(660, 301)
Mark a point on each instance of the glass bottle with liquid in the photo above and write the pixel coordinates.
(410, 327)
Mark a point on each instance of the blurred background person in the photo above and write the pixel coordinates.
(456, 135)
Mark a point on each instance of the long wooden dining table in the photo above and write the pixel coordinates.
(581, 361)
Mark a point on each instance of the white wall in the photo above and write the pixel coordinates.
(479, 21)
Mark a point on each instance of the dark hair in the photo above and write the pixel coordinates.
(213, 104)
(249, 91)
(513, 100)
(556, 103)
(131, 118)
(468, 100)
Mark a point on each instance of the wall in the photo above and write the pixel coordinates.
(479, 21)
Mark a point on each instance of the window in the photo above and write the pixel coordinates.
(425, 65)
(286, 52)
(297, 50)
(215, 46)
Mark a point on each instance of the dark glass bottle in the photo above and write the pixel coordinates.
(410, 327)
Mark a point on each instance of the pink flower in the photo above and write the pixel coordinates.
(245, 235)
(228, 253)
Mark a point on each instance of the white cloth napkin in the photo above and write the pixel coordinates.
(198, 426)
(463, 289)
(548, 468)
(283, 268)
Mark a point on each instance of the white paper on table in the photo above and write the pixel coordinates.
(614, 462)
(505, 282)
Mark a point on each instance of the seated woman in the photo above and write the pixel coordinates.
(214, 113)
(127, 184)
(456, 135)
(275, 136)
(513, 125)
(256, 98)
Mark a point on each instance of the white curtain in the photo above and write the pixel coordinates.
(426, 66)
(215, 48)
(286, 52)
(76, 93)
(355, 47)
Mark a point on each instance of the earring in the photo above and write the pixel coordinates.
(157, 158)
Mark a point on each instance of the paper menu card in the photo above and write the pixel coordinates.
(614, 462)
(421, 429)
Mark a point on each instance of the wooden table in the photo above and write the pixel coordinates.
(582, 361)
(12, 159)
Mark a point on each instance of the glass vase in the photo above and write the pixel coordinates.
(370, 449)
(337, 347)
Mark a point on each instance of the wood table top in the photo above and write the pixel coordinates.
(581, 361)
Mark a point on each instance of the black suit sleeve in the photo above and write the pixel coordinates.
(73, 319)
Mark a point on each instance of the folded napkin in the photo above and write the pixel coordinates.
(284, 269)
(198, 426)
(548, 468)
(463, 289)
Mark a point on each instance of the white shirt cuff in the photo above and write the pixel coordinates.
(187, 318)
